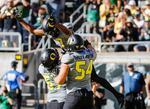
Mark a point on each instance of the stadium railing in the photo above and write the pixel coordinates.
(10, 41)
(74, 15)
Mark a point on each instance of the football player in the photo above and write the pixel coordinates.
(49, 69)
(76, 66)
(53, 28)
(49, 27)
(77, 70)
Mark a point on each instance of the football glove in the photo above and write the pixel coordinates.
(48, 23)
(51, 22)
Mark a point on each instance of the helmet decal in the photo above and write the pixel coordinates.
(52, 56)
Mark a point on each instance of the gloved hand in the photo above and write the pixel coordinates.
(48, 24)
(17, 13)
(51, 21)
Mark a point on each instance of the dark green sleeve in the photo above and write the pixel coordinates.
(103, 82)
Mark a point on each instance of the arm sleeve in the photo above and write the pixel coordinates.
(103, 82)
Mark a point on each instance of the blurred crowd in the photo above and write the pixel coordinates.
(114, 20)
(34, 12)
(120, 20)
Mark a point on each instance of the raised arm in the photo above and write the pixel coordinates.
(108, 86)
(63, 29)
(29, 28)
(41, 32)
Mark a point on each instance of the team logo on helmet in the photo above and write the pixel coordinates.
(52, 56)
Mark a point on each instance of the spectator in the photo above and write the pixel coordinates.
(6, 100)
(119, 31)
(1, 22)
(119, 4)
(119, 26)
(144, 36)
(107, 33)
(128, 13)
(133, 7)
(54, 7)
(104, 10)
(132, 33)
(92, 17)
(10, 23)
(108, 30)
(145, 32)
(132, 87)
(146, 11)
(24, 5)
(42, 13)
(13, 82)
(138, 21)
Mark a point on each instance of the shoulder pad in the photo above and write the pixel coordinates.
(67, 58)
